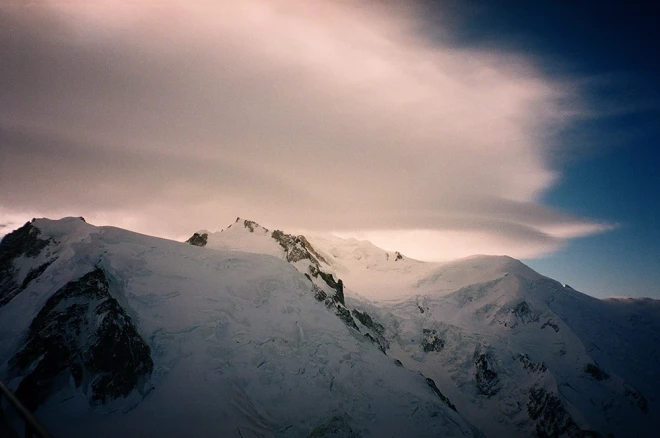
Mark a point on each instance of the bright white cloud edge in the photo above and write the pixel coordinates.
(361, 117)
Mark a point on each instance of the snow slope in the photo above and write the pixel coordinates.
(239, 344)
(246, 236)
(386, 276)
(369, 271)
(519, 354)
(493, 345)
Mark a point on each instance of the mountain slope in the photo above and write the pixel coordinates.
(203, 343)
(518, 354)
(388, 276)
(249, 236)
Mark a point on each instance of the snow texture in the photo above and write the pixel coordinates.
(239, 343)
(250, 332)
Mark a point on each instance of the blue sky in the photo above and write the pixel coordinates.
(614, 177)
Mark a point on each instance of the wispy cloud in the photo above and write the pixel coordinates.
(168, 117)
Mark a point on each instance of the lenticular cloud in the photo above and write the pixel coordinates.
(337, 116)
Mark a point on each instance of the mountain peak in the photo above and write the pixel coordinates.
(249, 225)
(483, 339)
(248, 236)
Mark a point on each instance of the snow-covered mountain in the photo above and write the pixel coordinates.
(105, 332)
(518, 354)
(256, 332)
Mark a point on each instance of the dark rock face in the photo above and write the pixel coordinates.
(551, 323)
(345, 315)
(431, 341)
(305, 243)
(298, 248)
(378, 330)
(443, 397)
(198, 239)
(398, 256)
(524, 313)
(338, 286)
(82, 332)
(331, 303)
(35, 273)
(340, 291)
(251, 225)
(551, 418)
(294, 247)
(532, 367)
(329, 279)
(486, 377)
(596, 372)
(368, 321)
(319, 294)
(23, 242)
(521, 313)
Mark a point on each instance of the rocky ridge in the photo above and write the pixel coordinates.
(81, 332)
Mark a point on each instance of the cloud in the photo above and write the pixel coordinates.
(168, 117)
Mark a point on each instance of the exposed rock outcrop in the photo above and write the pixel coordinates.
(521, 313)
(298, 248)
(82, 332)
(443, 397)
(345, 315)
(332, 303)
(377, 335)
(551, 418)
(368, 321)
(250, 225)
(23, 242)
(532, 367)
(431, 341)
(596, 372)
(488, 383)
(198, 239)
(294, 247)
(552, 324)
(524, 313)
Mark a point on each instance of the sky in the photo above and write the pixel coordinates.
(439, 129)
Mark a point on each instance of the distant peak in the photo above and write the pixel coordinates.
(251, 226)
(198, 239)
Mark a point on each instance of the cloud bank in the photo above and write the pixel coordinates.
(167, 117)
